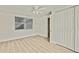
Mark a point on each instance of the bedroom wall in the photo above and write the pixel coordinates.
(42, 23)
(42, 26)
(7, 27)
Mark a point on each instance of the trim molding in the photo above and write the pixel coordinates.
(14, 38)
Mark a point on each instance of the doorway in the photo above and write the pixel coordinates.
(48, 29)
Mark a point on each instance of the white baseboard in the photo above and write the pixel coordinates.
(42, 35)
(14, 38)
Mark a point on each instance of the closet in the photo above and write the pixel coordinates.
(77, 28)
(65, 28)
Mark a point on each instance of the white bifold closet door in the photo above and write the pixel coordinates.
(77, 28)
(63, 28)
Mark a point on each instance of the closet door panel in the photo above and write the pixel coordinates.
(77, 29)
(64, 28)
(69, 28)
(57, 29)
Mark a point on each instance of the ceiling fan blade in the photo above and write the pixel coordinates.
(35, 7)
(41, 8)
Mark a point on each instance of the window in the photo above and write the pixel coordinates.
(23, 23)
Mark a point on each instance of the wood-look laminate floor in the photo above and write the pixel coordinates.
(34, 44)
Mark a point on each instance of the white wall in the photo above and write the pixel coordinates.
(42, 26)
(7, 27)
(7, 30)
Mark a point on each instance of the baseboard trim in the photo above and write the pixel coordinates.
(15, 38)
(66, 48)
(62, 46)
(42, 36)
